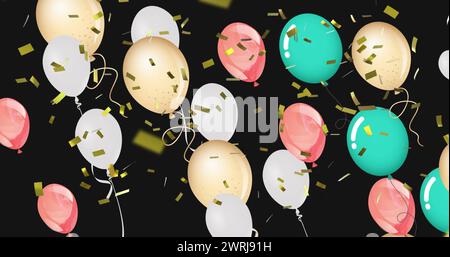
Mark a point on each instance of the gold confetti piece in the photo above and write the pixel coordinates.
(58, 99)
(171, 135)
(184, 74)
(185, 22)
(352, 18)
(282, 188)
(325, 23)
(306, 189)
(258, 110)
(74, 16)
(391, 12)
(361, 40)
(407, 187)
(99, 134)
(362, 48)
(148, 123)
(296, 85)
(178, 199)
(57, 67)
(377, 46)
(331, 62)
(241, 46)
(233, 79)
(344, 177)
(214, 157)
(282, 15)
(98, 15)
(384, 134)
(130, 76)
(280, 180)
(336, 24)
(85, 185)
(177, 17)
(162, 33)
(122, 192)
(225, 183)
(307, 171)
(127, 43)
(307, 40)
(262, 53)
(149, 142)
(136, 88)
(273, 14)
(26, 49)
(151, 171)
(416, 73)
(415, 40)
(368, 131)
(35, 82)
(152, 63)
(325, 129)
(129, 106)
(215, 201)
(281, 110)
(95, 78)
(208, 64)
(439, 121)
(123, 175)
(184, 32)
(38, 189)
(184, 180)
(299, 173)
(416, 106)
(362, 152)
(370, 59)
(386, 95)
(51, 120)
(371, 75)
(221, 37)
(305, 154)
(229, 52)
(109, 17)
(292, 32)
(112, 171)
(202, 109)
(355, 99)
(321, 185)
(349, 111)
(156, 129)
(171, 76)
(98, 153)
(218, 108)
(264, 149)
(74, 142)
(103, 201)
(423, 175)
(85, 172)
(446, 138)
(21, 80)
(85, 135)
(223, 95)
(367, 108)
(339, 107)
(348, 57)
(95, 30)
(123, 1)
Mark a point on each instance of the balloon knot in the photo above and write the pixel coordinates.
(19, 151)
(390, 177)
(314, 165)
(256, 84)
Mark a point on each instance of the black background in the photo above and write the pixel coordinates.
(150, 209)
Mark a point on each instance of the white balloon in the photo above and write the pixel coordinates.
(443, 63)
(111, 142)
(157, 22)
(65, 51)
(231, 218)
(221, 121)
(280, 169)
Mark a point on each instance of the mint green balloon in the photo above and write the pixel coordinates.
(314, 53)
(378, 142)
(434, 201)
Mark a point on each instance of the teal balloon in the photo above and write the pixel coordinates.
(314, 53)
(378, 142)
(434, 201)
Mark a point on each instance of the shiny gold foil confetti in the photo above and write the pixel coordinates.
(348, 57)
(129, 106)
(362, 152)
(74, 16)
(106, 111)
(217, 202)
(85, 135)
(264, 149)
(265, 34)
(221, 37)
(223, 95)
(149, 142)
(74, 142)
(371, 75)
(57, 67)
(229, 51)
(98, 153)
(331, 62)
(184, 180)
(367, 108)
(184, 23)
(38, 189)
(305, 154)
(344, 177)
(384, 134)
(26, 49)
(127, 43)
(296, 85)
(292, 32)
(178, 199)
(85, 172)
(58, 99)
(439, 121)
(407, 187)
(177, 17)
(307, 40)
(208, 64)
(282, 188)
(321, 185)
(352, 18)
(355, 99)
(85, 185)
(130, 76)
(225, 183)
(122, 192)
(282, 15)
(103, 201)
(446, 139)
(184, 74)
(325, 129)
(370, 59)
(98, 15)
(391, 12)
(95, 30)
(325, 23)
(35, 82)
(415, 40)
(281, 109)
(362, 48)
(162, 33)
(51, 121)
(361, 40)
(368, 131)
(280, 180)
(21, 80)
(123, 174)
(336, 24)
(100, 134)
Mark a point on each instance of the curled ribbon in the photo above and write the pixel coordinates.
(407, 208)
(184, 130)
(407, 102)
(300, 218)
(78, 104)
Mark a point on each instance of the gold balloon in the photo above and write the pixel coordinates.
(156, 75)
(218, 167)
(391, 235)
(443, 167)
(382, 55)
(81, 19)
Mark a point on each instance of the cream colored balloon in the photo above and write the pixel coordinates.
(218, 167)
(380, 47)
(153, 73)
(391, 235)
(81, 19)
(443, 167)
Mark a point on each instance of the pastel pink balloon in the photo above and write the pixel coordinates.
(58, 208)
(242, 52)
(392, 206)
(301, 131)
(14, 124)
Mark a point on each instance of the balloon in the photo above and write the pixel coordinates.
(302, 133)
(65, 67)
(282, 179)
(434, 201)
(153, 21)
(378, 142)
(243, 52)
(58, 208)
(443, 64)
(392, 206)
(218, 167)
(311, 48)
(382, 55)
(14, 124)
(228, 216)
(221, 121)
(55, 18)
(104, 134)
(156, 75)
(395, 236)
(443, 167)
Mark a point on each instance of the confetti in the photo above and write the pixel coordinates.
(344, 177)
(282, 15)
(266, 34)
(225, 183)
(292, 32)
(184, 74)
(85, 185)
(362, 48)
(367, 108)
(85, 172)
(336, 24)
(177, 17)
(325, 23)
(446, 139)
(370, 59)
(368, 131)
(362, 152)
(103, 201)
(355, 99)
(35, 82)
(149, 142)
(215, 201)
(352, 18)
(98, 15)
(361, 40)
(321, 185)
(130, 76)
(57, 67)
(26, 49)
(202, 109)
(98, 153)
(281, 110)
(85, 135)
(416, 73)
(229, 52)
(305, 154)
(106, 111)
(264, 149)
(21, 80)
(296, 85)
(122, 192)
(280, 180)
(325, 129)
(184, 180)
(58, 99)
(331, 62)
(384, 134)
(371, 75)
(415, 40)
(180, 195)
(391, 12)
(407, 187)
(74, 142)
(184, 23)
(348, 57)
(221, 37)
(99, 134)
(123, 174)
(38, 189)
(51, 121)
(208, 64)
(439, 121)
(127, 43)
(282, 188)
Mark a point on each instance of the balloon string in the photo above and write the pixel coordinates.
(184, 130)
(78, 104)
(300, 218)
(111, 190)
(345, 119)
(103, 72)
(407, 102)
(407, 208)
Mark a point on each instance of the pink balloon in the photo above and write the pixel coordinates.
(392, 206)
(58, 208)
(243, 52)
(302, 133)
(14, 124)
